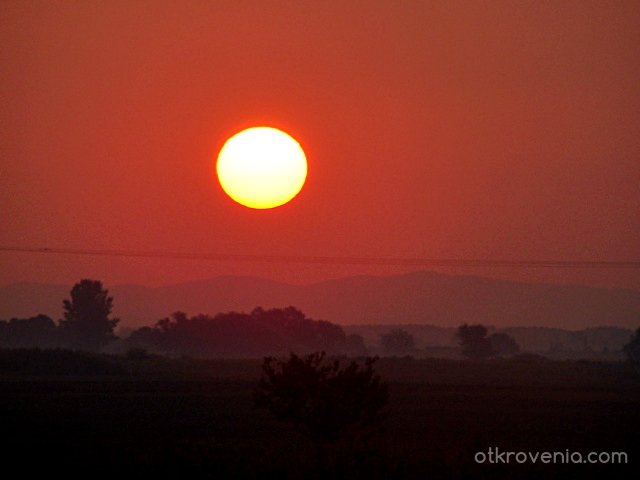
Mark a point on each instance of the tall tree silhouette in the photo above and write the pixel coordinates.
(86, 323)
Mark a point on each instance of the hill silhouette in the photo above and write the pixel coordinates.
(414, 298)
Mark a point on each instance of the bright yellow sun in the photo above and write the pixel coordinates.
(261, 167)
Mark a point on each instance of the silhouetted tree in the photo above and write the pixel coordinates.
(86, 322)
(324, 400)
(397, 341)
(474, 341)
(632, 349)
(503, 344)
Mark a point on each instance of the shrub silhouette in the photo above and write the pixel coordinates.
(324, 400)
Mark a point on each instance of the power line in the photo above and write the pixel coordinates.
(328, 260)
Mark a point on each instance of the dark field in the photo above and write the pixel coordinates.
(194, 418)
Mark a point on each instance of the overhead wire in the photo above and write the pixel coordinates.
(334, 260)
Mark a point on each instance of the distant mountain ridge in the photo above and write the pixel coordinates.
(423, 297)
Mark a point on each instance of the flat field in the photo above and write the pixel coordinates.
(195, 418)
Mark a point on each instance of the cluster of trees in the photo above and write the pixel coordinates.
(477, 344)
(87, 323)
(473, 339)
(259, 333)
(39, 331)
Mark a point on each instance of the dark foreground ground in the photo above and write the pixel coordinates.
(195, 419)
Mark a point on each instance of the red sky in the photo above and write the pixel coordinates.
(498, 130)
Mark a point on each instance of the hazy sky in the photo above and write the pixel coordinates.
(494, 130)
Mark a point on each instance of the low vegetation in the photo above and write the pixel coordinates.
(335, 406)
(153, 415)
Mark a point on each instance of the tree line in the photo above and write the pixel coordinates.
(259, 333)
(88, 324)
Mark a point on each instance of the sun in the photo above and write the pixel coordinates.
(261, 167)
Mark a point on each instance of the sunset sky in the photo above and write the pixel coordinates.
(467, 130)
